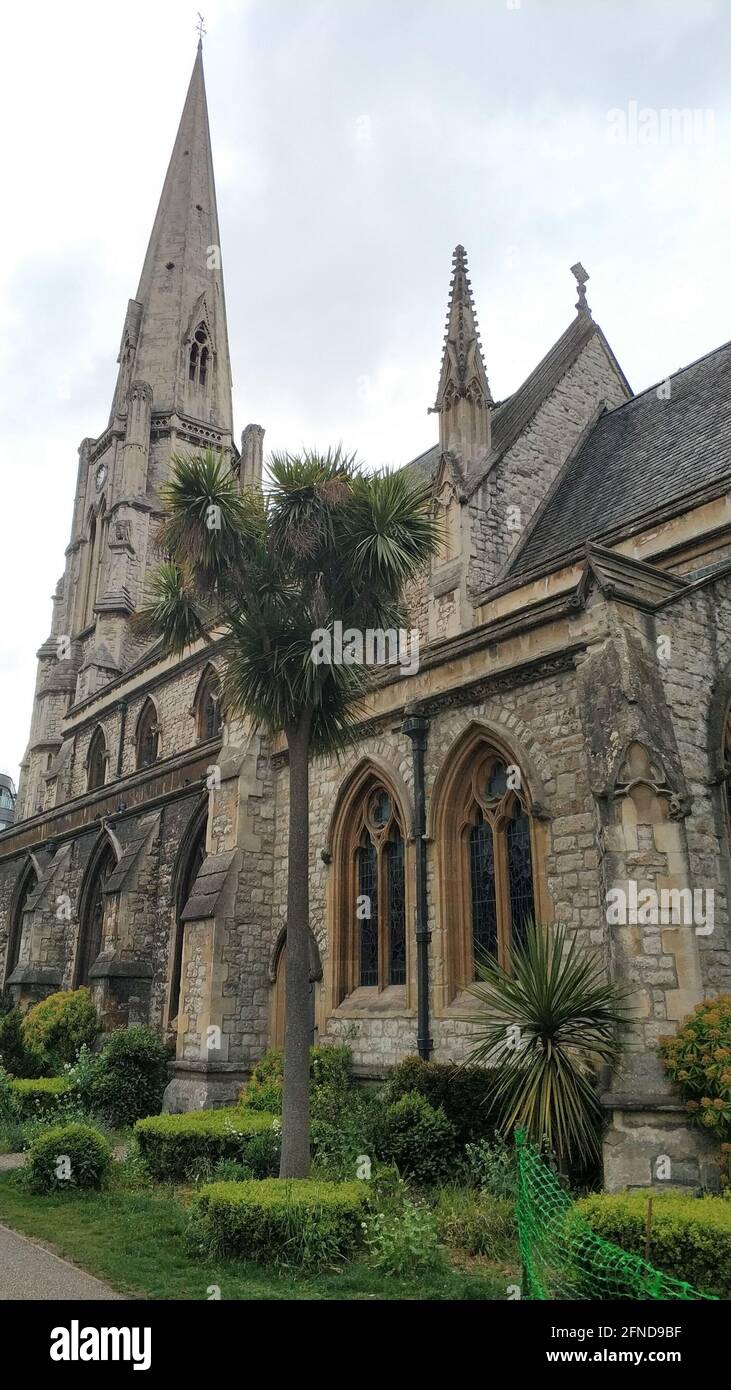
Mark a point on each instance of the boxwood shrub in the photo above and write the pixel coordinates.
(464, 1093)
(178, 1147)
(690, 1236)
(65, 1157)
(40, 1097)
(299, 1222)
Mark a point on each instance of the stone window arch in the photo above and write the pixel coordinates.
(147, 742)
(207, 706)
(91, 910)
(371, 890)
(199, 357)
(490, 850)
(96, 761)
(27, 882)
(189, 865)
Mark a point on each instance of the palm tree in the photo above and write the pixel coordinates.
(326, 542)
(547, 1021)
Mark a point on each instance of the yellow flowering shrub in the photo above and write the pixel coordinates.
(698, 1058)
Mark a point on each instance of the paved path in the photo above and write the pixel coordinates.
(28, 1271)
(8, 1161)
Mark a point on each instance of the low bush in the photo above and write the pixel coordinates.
(492, 1167)
(476, 1223)
(299, 1222)
(56, 1029)
(9, 1103)
(41, 1097)
(464, 1093)
(690, 1237)
(125, 1081)
(15, 1057)
(402, 1240)
(329, 1066)
(417, 1139)
(67, 1156)
(343, 1130)
(177, 1147)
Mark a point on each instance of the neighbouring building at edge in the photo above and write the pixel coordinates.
(566, 732)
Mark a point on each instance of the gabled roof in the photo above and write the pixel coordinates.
(664, 445)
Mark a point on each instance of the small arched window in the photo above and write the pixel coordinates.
(148, 735)
(96, 761)
(198, 358)
(209, 715)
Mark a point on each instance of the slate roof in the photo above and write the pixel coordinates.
(648, 453)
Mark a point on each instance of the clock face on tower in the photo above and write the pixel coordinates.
(101, 475)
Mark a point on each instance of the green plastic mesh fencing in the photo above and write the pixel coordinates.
(562, 1258)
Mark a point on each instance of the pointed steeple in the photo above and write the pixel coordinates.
(464, 398)
(175, 337)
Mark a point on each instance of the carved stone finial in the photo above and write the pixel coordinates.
(581, 276)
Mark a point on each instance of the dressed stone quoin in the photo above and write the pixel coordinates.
(563, 735)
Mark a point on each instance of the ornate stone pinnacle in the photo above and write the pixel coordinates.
(581, 276)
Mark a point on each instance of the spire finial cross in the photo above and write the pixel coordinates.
(200, 26)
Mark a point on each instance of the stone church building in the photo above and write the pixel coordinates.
(566, 733)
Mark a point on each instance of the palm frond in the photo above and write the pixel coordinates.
(389, 529)
(171, 609)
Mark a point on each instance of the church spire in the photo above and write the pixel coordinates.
(463, 396)
(175, 336)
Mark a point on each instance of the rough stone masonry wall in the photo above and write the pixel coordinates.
(697, 681)
(248, 934)
(541, 718)
(176, 717)
(524, 475)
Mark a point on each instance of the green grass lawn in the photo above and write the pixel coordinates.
(134, 1241)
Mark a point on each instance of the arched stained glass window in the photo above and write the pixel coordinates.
(377, 952)
(92, 915)
(499, 864)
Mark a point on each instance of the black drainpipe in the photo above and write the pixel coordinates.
(122, 728)
(416, 726)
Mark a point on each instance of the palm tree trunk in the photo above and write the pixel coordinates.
(295, 1160)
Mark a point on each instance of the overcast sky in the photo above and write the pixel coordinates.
(355, 143)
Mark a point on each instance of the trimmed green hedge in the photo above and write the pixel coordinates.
(176, 1147)
(67, 1156)
(39, 1097)
(690, 1237)
(299, 1222)
(464, 1093)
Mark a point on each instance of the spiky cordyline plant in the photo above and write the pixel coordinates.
(325, 542)
(546, 1023)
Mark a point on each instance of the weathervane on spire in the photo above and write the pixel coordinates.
(581, 276)
(200, 26)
